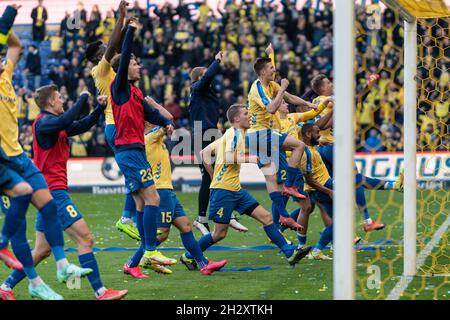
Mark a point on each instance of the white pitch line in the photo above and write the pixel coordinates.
(404, 282)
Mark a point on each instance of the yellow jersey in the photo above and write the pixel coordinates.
(312, 164)
(9, 126)
(327, 134)
(158, 157)
(259, 98)
(226, 176)
(103, 74)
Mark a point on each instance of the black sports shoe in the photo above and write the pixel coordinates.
(299, 254)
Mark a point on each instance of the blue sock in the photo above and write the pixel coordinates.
(53, 230)
(158, 242)
(140, 251)
(294, 214)
(291, 176)
(285, 200)
(301, 239)
(325, 238)
(22, 251)
(275, 214)
(361, 202)
(129, 210)
(193, 247)
(204, 243)
(16, 213)
(136, 258)
(275, 235)
(151, 214)
(88, 260)
(278, 208)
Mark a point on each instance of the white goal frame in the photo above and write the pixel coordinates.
(344, 180)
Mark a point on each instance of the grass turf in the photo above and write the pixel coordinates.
(308, 280)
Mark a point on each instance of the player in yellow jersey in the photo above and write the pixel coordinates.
(41, 197)
(322, 86)
(264, 100)
(103, 74)
(227, 194)
(172, 211)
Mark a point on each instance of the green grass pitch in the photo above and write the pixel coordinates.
(307, 280)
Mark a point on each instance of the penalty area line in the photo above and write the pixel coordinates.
(404, 281)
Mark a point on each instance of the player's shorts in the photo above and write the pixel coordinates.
(323, 199)
(110, 136)
(135, 168)
(326, 152)
(30, 174)
(266, 145)
(282, 167)
(223, 202)
(68, 212)
(170, 207)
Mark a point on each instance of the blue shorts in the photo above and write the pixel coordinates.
(282, 167)
(68, 212)
(110, 136)
(30, 174)
(135, 168)
(266, 145)
(223, 202)
(323, 199)
(326, 152)
(170, 207)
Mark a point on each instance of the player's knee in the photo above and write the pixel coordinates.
(41, 254)
(86, 240)
(185, 227)
(22, 189)
(219, 234)
(265, 218)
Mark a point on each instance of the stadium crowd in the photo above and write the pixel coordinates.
(172, 41)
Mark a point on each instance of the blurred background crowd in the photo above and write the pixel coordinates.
(174, 39)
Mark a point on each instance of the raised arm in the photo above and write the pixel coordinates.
(121, 87)
(88, 121)
(153, 116)
(209, 75)
(305, 116)
(293, 99)
(14, 48)
(272, 106)
(54, 124)
(163, 111)
(116, 36)
(7, 21)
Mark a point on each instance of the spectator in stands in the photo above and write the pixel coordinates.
(32, 72)
(39, 16)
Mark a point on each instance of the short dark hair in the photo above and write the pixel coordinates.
(92, 49)
(316, 83)
(233, 111)
(43, 94)
(260, 64)
(196, 72)
(307, 128)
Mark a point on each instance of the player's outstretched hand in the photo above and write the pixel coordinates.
(269, 50)
(102, 100)
(123, 8)
(16, 6)
(284, 84)
(85, 92)
(219, 56)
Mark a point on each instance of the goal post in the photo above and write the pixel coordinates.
(405, 262)
(344, 149)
